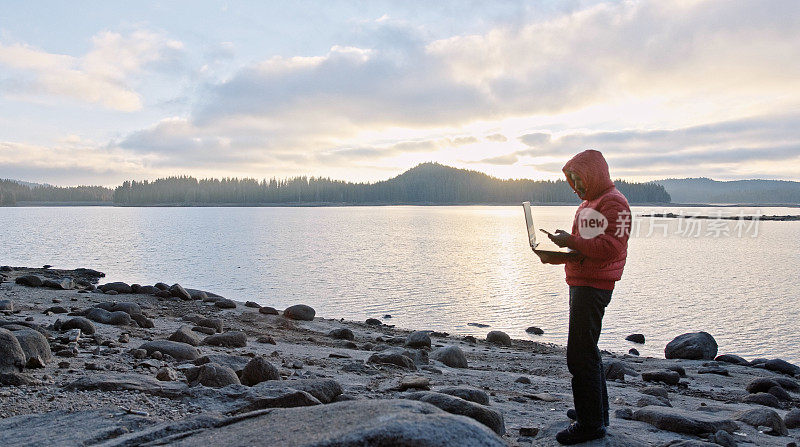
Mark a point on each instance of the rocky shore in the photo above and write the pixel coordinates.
(86, 363)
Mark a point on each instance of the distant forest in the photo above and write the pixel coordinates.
(706, 190)
(428, 183)
(12, 192)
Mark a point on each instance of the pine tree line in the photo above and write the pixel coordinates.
(12, 192)
(426, 183)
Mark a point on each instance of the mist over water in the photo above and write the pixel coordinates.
(438, 268)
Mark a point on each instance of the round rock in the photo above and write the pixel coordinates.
(692, 346)
(86, 326)
(300, 312)
(498, 338)
(230, 339)
(12, 357)
(451, 356)
(259, 370)
(418, 339)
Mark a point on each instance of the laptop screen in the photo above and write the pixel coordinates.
(529, 224)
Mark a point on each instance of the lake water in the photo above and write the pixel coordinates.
(440, 268)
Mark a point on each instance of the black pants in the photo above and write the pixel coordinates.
(586, 308)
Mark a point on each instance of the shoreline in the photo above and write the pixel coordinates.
(375, 204)
(346, 363)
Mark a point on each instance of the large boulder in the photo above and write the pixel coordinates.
(117, 318)
(792, 419)
(782, 366)
(456, 405)
(732, 359)
(392, 358)
(466, 393)
(666, 376)
(683, 421)
(29, 280)
(418, 339)
(234, 362)
(259, 370)
(765, 399)
(498, 338)
(178, 350)
(216, 376)
(34, 345)
(86, 326)
(451, 356)
(758, 417)
(119, 287)
(350, 423)
(230, 339)
(128, 382)
(178, 291)
(300, 312)
(185, 334)
(59, 283)
(692, 346)
(12, 357)
(341, 334)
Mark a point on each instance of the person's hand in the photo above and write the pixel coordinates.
(546, 258)
(560, 238)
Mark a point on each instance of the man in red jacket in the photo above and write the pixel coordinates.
(600, 233)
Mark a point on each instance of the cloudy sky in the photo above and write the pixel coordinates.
(96, 92)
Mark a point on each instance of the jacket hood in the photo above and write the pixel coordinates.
(592, 168)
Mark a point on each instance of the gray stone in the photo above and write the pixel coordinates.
(636, 338)
(119, 287)
(723, 438)
(12, 357)
(56, 310)
(252, 304)
(34, 345)
(230, 339)
(466, 393)
(148, 290)
(392, 358)
(234, 362)
(787, 383)
(666, 376)
(266, 310)
(65, 427)
(178, 350)
(143, 321)
(418, 339)
(259, 370)
(498, 338)
(451, 356)
(59, 283)
(765, 399)
(167, 374)
(185, 334)
(647, 400)
(455, 405)
(617, 370)
(683, 421)
(763, 417)
(224, 303)
(128, 382)
(782, 366)
(692, 346)
(342, 334)
(718, 370)
(300, 312)
(792, 418)
(103, 316)
(29, 280)
(657, 391)
(363, 422)
(534, 330)
(216, 376)
(760, 385)
(178, 291)
(733, 359)
(128, 307)
(214, 323)
(86, 326)
(780, 393)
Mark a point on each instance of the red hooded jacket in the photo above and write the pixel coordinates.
(601, 227)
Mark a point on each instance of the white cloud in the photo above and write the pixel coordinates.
(105, 75)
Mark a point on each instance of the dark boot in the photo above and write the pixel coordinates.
(576, 434)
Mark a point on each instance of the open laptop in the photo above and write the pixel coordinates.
(541, 247)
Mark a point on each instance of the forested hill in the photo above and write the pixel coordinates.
(706, 190)
(12, 192)
(428, 183)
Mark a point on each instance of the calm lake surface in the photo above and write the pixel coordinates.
(440, 268)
